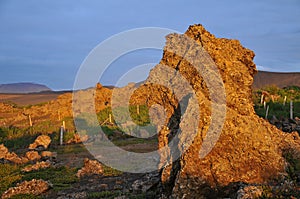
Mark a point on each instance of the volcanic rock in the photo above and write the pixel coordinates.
(32, 155)
(35, 187)
(242, 148)
(48, 154)
(79, 195)
(42, 140)
(250, 192)
(11, 156)
(37, 166)
(90, 167)
(78, 139)
(145, 183)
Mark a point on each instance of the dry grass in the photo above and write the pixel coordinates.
(29, 99)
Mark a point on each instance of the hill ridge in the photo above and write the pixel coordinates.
(23, 87)
(279, 79)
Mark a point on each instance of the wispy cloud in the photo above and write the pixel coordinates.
(264, 68)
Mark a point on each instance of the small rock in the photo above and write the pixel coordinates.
(78, 139)
(3, 151)
(42, 140)
(119, 182)
(104, 186)
(6, 156)
(32, 155)
(35, 187)
(90, 167)
(79, 195)
(37, 166)
(249, 192)
(48, 154)
(118, 187)
(145, 183)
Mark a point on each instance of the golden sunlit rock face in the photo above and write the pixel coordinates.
(248, 150)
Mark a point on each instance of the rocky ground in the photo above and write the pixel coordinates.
(90, 179)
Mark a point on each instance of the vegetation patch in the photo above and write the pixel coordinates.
(278, 101)
(25, 196)
(9, 176)
(114, 194)
(108, 171)
(61, 177)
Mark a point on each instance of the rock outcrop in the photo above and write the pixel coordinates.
(248, 149)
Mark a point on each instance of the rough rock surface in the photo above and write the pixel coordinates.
(42, 140)
(48, 155)
(11, 156)
(286, 125)
(37, 166)
(78, 139)
(90, 167)
(32, 155)
(35, 187)
(144, 184)
(250, 192)
(249, 149)
(80, 195)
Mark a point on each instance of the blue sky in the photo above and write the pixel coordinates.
(45, 41)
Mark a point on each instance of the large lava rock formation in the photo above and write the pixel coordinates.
(248, 149)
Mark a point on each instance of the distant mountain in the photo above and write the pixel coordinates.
(23, 88)
(262, 79)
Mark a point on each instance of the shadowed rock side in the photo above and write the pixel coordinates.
(249, 149)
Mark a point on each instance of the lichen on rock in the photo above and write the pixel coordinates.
(248, 149)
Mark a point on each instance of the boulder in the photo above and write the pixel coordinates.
(11, 157)
(35, 187)
(90, 167)
(32, 155)
(42, 140)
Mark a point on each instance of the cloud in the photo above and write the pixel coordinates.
(263, 68)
